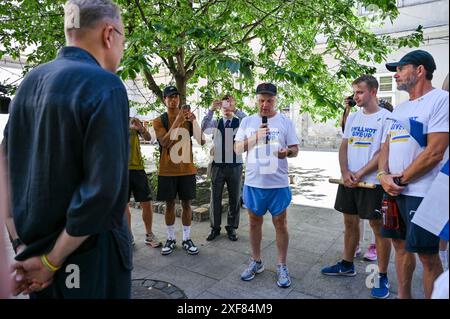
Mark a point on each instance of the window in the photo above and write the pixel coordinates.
(387, 99)
(386, 84)
(286, 110)
(407, 3)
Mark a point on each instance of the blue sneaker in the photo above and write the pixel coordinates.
(252, 269)
(284, 281)
(382, 292)
(339, 270)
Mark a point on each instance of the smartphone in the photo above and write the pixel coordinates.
(225, 104)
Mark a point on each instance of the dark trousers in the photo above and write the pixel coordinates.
(105, 273)
(232, 176)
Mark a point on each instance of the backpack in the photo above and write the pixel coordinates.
(165, 122)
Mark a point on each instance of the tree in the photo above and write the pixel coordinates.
(217, 46)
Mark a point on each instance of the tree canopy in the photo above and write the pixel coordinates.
(225, 46)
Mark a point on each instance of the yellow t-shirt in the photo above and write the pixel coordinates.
(136, 162)
(166, 166)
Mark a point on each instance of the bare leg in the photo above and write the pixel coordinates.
(186, 216)
(432, 268)
(170, 213)
(383, 246)
(351, 236)
(405, 264)
(255, 235)
(282, 236)
(147, 216)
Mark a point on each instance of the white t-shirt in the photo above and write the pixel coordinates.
(431, 110)
(364, 133)
(263, 168)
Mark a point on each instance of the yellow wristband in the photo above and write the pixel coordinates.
(380, 173)
(48, 264)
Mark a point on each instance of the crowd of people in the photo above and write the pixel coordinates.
(73, 161)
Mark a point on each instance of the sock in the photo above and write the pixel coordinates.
(171, 232)
(347, 264)
(361, 230)
(186, 232)
(373, 238)
(444, 258)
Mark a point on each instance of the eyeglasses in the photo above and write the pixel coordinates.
(115, 29)
(121, 34)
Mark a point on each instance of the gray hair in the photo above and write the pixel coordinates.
(81, 14)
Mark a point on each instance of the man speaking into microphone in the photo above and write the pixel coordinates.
(268, 138)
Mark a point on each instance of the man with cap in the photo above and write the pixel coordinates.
(408, 166)
(226, 166)
(176, 174)
(269, 139)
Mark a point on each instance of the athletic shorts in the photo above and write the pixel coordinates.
(261, 200)
(364, 202)
(418, 240)
(169, 187)
(138, 185)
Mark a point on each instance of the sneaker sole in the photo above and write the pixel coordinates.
(353, 274)
(370, 259)
(165, 253)
(257, 272)
(192, 253)
(383, 297)
(283, 286)
(152, 245)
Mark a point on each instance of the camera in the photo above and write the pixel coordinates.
(351, 101)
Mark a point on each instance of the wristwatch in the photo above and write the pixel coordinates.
(16, 243)
(398, 182)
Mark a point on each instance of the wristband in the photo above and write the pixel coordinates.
(380, 173)
(48, 264)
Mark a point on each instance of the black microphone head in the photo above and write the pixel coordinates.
(264, 120)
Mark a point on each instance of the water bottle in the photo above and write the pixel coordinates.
(389, 211)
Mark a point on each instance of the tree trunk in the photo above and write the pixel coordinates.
(181, 82)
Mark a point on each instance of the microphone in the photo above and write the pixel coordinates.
(264, 121)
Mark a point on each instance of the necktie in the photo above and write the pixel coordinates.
(227, 124)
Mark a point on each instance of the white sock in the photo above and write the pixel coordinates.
(444, 258)
(373, 241)
(361, 230)
(186, 232)
(171, 232)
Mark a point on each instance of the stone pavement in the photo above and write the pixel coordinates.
(316, 240)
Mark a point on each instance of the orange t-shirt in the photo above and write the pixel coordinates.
(182, 163)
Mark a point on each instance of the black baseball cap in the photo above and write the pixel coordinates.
(170, 90)
(417, 57)
(266, 88)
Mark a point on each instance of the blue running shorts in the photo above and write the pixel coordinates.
(261, 200)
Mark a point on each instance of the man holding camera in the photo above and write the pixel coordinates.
(358, 159)
(407, 168)
(226, 166)
(138, 182)
(176, 174)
